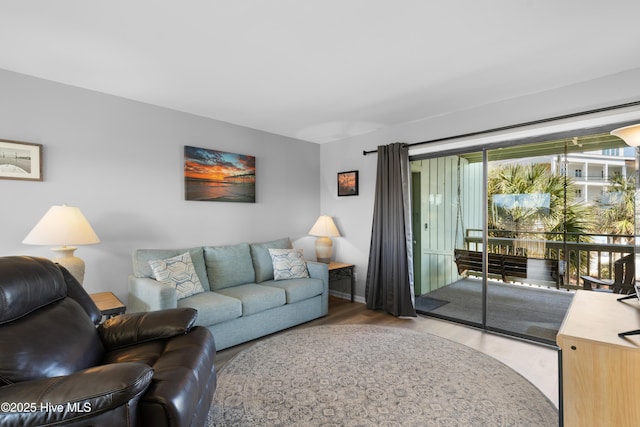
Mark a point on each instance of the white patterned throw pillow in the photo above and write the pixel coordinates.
(178, 272)
(288, 264)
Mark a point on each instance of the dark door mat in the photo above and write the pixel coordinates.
(426, 304)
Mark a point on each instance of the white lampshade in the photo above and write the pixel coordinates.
(64, 226)
(629, 134)
(323, 229)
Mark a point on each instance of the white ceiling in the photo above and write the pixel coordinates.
(319, 70)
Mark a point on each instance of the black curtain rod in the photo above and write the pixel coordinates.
(535, 122)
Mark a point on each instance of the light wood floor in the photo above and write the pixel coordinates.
(537, 363)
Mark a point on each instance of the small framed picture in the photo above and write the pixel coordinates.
(20, 160)
(348, 183)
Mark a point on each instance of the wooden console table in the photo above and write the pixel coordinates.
(600, 371)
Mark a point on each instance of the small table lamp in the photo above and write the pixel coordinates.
(64, 225)
(323, 229)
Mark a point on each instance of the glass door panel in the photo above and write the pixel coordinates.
(447, 213)
(527, 203)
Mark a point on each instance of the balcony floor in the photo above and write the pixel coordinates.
(528, 311)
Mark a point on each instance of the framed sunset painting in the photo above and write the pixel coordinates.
(218, 176)
(348, 183)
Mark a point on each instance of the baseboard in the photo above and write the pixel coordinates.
(347, 296)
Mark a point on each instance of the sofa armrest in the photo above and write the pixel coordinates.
(134, 328)
(81, 395)
(319, 270)
(146, 294)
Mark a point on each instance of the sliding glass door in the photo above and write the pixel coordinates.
(450, 211)
(529, 201)
(504, 236)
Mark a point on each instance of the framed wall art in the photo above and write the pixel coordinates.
(348, 183)
(218, 176)
(20, 160)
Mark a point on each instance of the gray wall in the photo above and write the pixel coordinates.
(354, 215)
(121, 162)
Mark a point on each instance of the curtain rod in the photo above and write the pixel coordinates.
(534, 122)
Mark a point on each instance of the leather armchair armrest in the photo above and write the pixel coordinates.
(133, 328)
(81, 395)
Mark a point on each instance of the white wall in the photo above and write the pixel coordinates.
(354, 214)
(121, 162)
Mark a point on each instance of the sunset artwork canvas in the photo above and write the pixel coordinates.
(348, 183)
(217, 176)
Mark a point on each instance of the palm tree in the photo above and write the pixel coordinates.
(530, 198)
(615, 207)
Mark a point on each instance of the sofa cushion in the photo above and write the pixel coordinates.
(256, 298)
(297, 289)
(213, 307)
(229, 265)
(262, 263)
(288, 264)
(141, 258)
(177, 271)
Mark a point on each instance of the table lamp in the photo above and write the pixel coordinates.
(323, 229)
(64, 225)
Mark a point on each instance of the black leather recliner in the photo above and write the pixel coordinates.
(58, 368)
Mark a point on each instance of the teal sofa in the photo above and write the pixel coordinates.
(241, 300)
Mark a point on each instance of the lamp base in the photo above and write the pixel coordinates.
(68, 260)
(324, 249)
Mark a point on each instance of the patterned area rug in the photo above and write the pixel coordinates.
(361, 375)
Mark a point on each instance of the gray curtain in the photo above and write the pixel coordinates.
(390, 274)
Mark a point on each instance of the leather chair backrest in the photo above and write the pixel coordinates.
(77, 292)
(27, 284)
(43, 332)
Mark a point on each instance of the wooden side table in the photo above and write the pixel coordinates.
(339, 271)
(108, 304)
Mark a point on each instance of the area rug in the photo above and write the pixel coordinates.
(365, 375)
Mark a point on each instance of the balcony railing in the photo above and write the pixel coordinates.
(577, 254)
